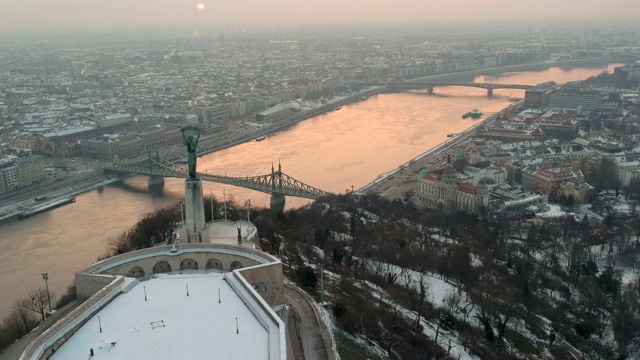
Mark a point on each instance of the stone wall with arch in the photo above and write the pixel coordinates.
(136, 272)
(190, 257)
(188, 264)
(213, 263)
(163, 262)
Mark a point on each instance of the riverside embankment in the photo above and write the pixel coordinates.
(390, 183)
(285, 123)
(213, 144)
(307, 114)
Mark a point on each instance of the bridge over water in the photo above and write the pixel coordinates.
(429, 85)
(277, 183)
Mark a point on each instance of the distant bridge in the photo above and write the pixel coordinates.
(429, 85)
(277, 183)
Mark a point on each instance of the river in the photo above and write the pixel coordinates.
(333, 151)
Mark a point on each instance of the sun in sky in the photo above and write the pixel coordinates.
(200, 6)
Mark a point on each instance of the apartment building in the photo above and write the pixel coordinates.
(22, 172)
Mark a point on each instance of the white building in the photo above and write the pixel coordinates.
(450, 193)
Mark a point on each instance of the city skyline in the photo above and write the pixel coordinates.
(65, 15)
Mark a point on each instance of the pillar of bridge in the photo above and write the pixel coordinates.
(430, 90)
(194, 229)
(489, 92)
(277, 202)
(155, 181)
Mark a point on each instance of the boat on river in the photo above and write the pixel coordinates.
(29, 211)
(260, 138)
(475, 113)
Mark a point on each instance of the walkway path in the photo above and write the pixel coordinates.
(308, 335)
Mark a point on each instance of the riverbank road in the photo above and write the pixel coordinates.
(404, 179)
(10, 202)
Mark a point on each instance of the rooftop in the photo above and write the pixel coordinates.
(291, 105)
(171, 324)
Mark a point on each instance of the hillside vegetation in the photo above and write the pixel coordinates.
(421, 284)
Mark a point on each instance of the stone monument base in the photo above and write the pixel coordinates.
(194, 222)
(191, 237)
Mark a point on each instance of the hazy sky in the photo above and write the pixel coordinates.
(19, 15)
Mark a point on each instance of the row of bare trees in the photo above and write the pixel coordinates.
(519, 276)
(25, 315)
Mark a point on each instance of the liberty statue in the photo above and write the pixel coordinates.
(191, 142)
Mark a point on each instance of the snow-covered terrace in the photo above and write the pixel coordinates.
(170, 324)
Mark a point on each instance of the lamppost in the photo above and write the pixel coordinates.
(45, 277)
(224, 196)
(247, 203)
(211, 199)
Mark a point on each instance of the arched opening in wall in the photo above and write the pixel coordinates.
(161, 267)
(214, 264)
(135, 272)
(188, 263)
(236, 265)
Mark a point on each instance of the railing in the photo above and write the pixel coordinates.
(245, 252)
(250, 304)
(255, 303)
(57, 331)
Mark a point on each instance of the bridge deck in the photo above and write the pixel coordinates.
(276, 182)
(431, 84)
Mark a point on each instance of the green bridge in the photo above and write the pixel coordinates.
(277, 183)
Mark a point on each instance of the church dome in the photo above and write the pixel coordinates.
(449, 170)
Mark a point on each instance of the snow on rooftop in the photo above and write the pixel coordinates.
(555, 211)
(170, 324)
(226, 232)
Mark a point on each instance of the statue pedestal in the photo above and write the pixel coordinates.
(194, 223)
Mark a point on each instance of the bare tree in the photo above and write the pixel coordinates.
(37, 301)
(120, 244)
(23, 316)
(420, 303)
(19, 323)
(389, 329)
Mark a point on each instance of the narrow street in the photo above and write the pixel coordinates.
(308, 337)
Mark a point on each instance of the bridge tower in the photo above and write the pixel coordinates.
(430, 90)
(155, 180)
(277, 198)
(490, 91)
